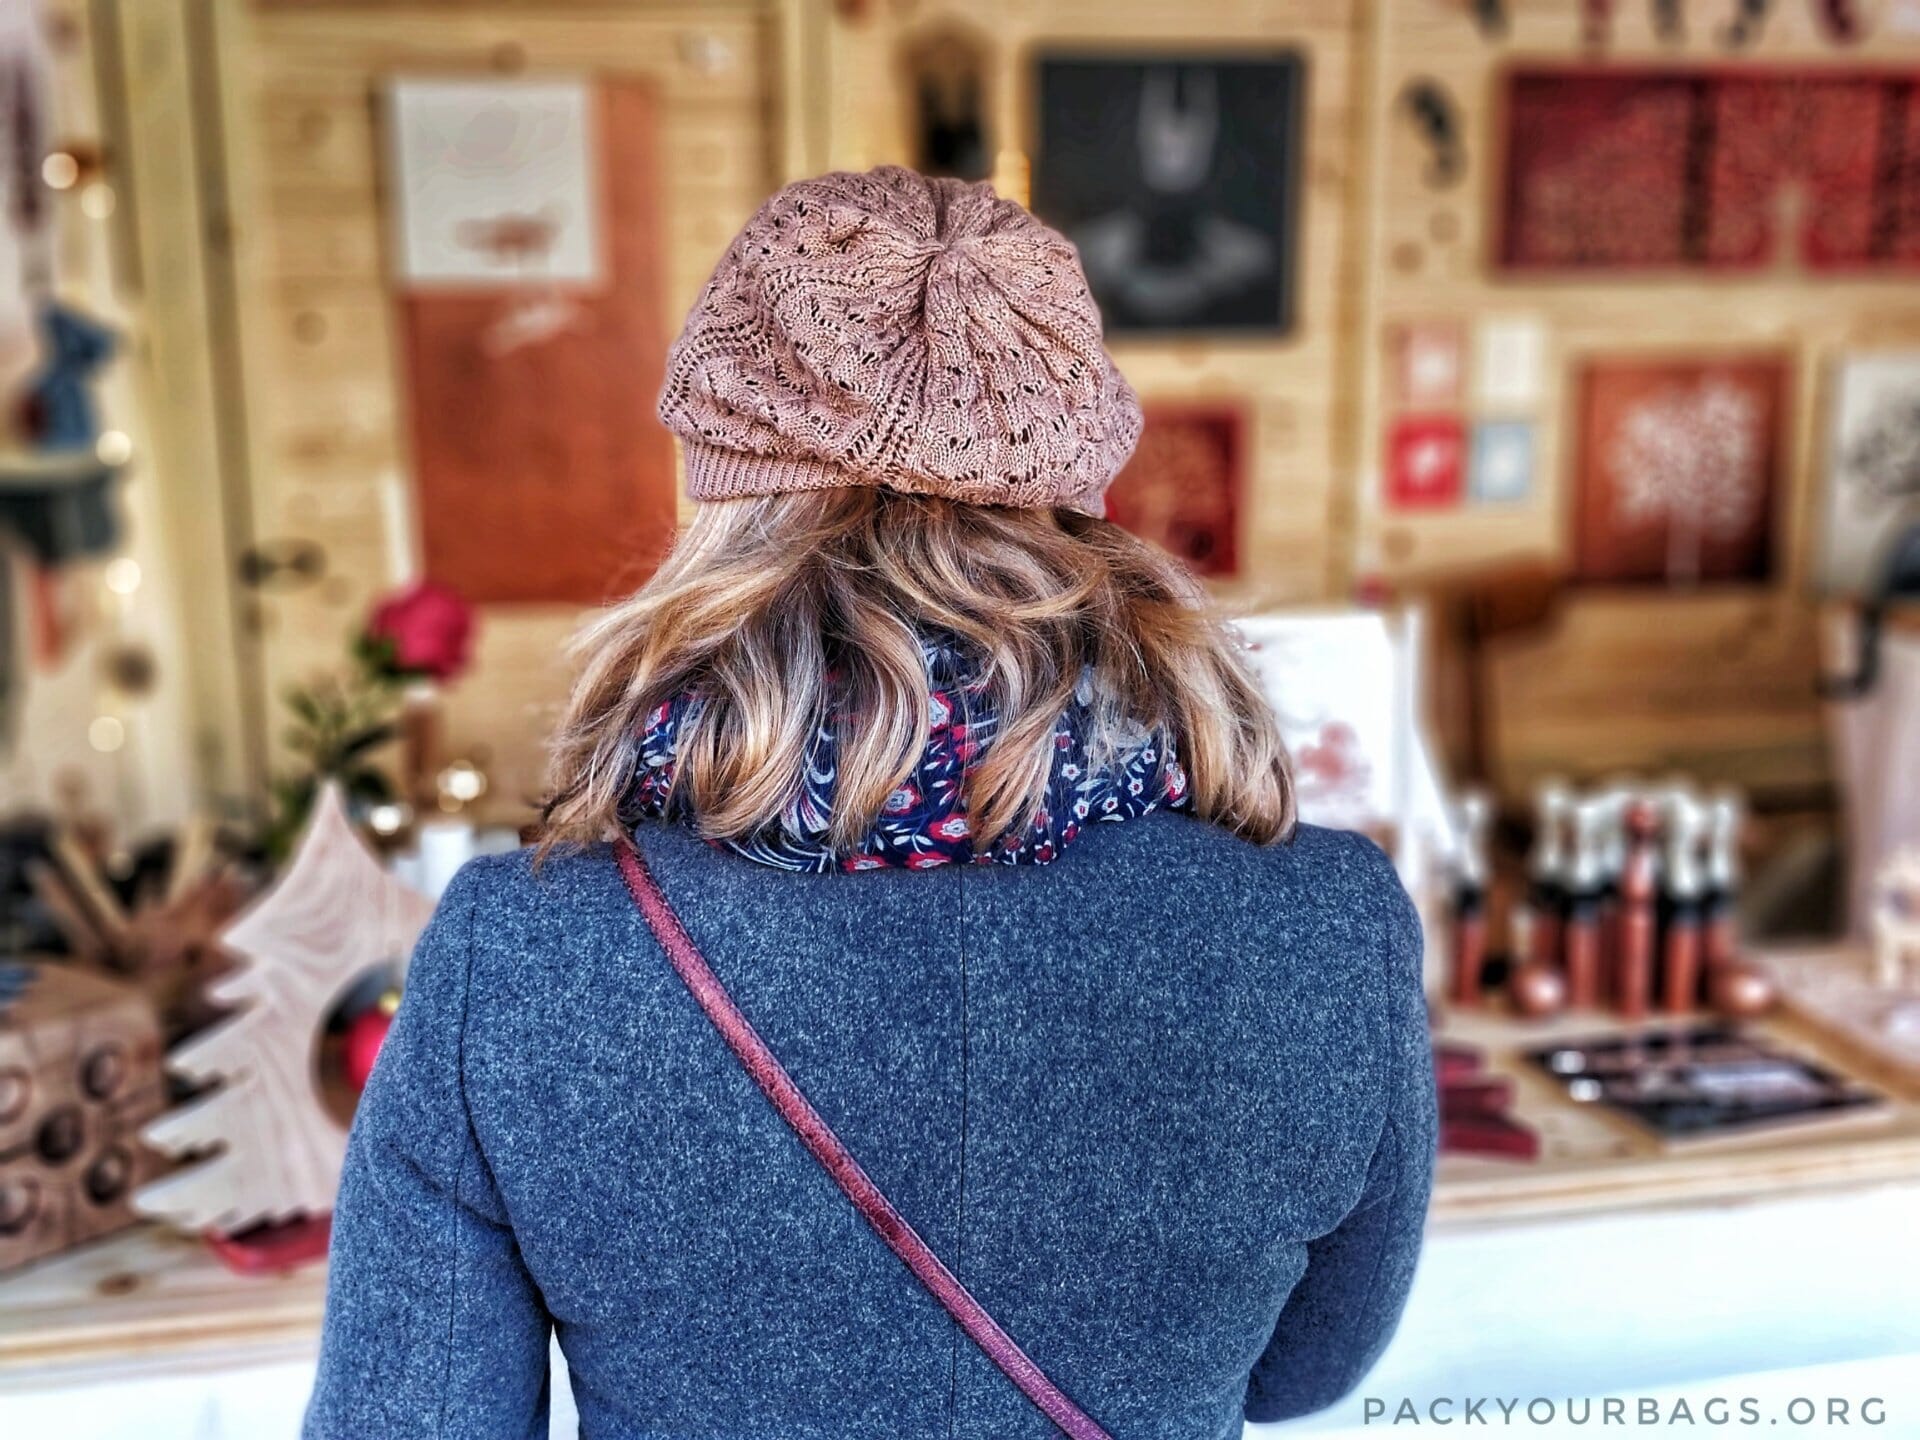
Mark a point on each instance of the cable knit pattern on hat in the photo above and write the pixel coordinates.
(892, 329)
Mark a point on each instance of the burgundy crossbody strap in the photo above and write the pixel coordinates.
(837, 1160)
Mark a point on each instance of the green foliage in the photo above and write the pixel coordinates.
(338, 725)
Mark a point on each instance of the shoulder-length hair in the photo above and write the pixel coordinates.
(786, 612)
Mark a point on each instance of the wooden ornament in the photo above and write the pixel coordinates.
(332, 917)
(166, 943)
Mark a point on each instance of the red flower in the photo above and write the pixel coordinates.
(954, 827)
(925, 862)
(425, 629)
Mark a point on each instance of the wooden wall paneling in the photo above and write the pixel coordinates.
(319, 340)
(164, 201)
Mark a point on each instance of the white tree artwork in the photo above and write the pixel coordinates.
(1693, 457)
(333, 916)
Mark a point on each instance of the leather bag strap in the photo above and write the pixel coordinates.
(834, 1157)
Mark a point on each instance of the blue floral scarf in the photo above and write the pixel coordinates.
(924, 823)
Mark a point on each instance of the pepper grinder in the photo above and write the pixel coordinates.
(1639, 882)
(1585, 885)
(1722, 932)
(1685, 885)
(1470, 899)
(1547, 875)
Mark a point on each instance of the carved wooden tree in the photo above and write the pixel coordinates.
(333, 916)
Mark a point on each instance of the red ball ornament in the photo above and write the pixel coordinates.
(1741, 992)
(365, 1033)
(1538, 991)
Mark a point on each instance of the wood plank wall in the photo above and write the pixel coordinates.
(326, 418)
(1717, 682)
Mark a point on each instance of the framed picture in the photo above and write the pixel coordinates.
(537, 478)
(1426, 462)
(495, 183)
(1500, 464)
(1177, 176)
(1183, 487)
(1873, 466)
(1678, 466)
(1633, 169)
(1509, 361)
(1427, 360)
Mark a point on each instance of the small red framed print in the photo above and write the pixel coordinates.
(1183, 489)
(1426, 462)
(1428, 362)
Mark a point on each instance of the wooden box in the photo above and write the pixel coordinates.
(80, 1073)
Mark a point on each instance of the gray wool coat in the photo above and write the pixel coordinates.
(1165, 1106)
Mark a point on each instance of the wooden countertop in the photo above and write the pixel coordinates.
(148, 1295)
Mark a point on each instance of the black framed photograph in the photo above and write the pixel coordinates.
(1177, 176)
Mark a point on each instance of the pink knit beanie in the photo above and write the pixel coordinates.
(891, 329)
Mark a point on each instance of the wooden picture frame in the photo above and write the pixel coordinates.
(1185, 487)
(1679, 467)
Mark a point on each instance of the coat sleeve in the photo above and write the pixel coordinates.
(1343, 1312)
(433, 1325)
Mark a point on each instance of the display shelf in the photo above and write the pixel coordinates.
(150, 1295)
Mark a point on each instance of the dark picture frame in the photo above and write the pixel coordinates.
(1177, 174)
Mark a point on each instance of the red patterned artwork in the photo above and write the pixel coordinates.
(1626, 169)
(1182, 489)
(1426, 462)
(1678, 470)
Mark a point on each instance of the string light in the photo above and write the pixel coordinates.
(106, 734)
(60, 171)
(388, 819)
(461, 783)
(122, 576)
(113, 447)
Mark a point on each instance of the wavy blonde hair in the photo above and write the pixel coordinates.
(786, 612)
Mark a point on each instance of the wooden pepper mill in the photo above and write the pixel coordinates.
(1586, 885)
(1639, 899)
(1684, 883)
(1722, 932)
(1470, 900)
(1547, 875)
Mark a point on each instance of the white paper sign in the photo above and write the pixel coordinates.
(1333, 681)
(495, 183)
